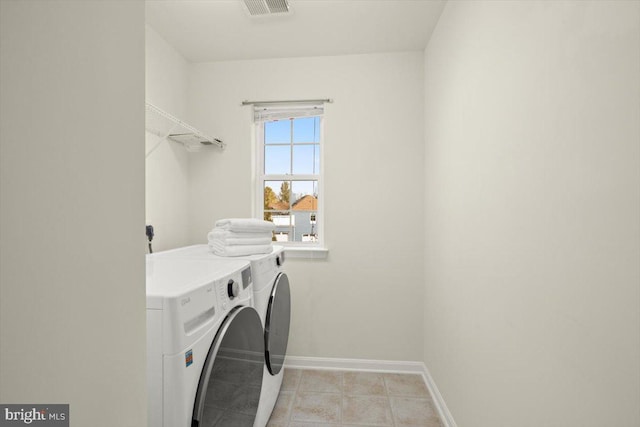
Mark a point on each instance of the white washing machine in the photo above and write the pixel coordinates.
(205, 345)
(272, 300)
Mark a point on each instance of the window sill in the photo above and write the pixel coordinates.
(299, 252)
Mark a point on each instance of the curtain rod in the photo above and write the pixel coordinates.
(298, 101)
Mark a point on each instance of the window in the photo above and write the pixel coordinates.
(289, 148)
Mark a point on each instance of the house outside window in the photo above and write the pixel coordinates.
(289, 178)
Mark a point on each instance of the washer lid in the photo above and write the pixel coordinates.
(169, 277)
(231, 379)
(202, 251)
(276, 330)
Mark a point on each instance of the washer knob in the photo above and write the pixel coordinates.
(233, 289)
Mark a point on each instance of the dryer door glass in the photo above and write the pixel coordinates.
(229, 387)
(276, 331)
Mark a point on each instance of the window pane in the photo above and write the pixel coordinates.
(304, 210)
(310, 218)
(277, 195)
(301, 189)
(306, 129)
(316, 136)
(277, 132)
(284, 224)
(306, 159)
(305, 227)
(277, 159)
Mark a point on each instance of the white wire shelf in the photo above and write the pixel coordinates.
(165, 126)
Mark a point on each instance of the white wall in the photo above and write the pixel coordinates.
(166, 166)
(72, 322)
(365, 300)
(532, 299)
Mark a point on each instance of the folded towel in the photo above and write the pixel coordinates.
(238, 250)
(219, 232)
(245, 225)
(232, 238)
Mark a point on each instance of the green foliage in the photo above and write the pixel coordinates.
(269, 197)
(285, 192)
(271, 200)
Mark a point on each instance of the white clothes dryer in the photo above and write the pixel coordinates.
(205, 344)
(272, 300)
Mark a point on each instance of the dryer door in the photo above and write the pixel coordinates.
(276, 329)
(229, 387)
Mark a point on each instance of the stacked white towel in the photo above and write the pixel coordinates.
(240, 237)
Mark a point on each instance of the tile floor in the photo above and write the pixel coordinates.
(320, 398)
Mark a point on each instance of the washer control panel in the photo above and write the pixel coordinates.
(235, 290)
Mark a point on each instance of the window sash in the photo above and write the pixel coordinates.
(262, 178)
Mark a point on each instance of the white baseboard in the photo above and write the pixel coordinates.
(443, 411)
(299, 362)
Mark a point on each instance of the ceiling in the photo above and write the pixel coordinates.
(220, 30)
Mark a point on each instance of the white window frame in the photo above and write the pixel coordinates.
(295, 249)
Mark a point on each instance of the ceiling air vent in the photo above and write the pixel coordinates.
(267, 7)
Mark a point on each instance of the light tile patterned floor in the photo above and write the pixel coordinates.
(319, 398)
